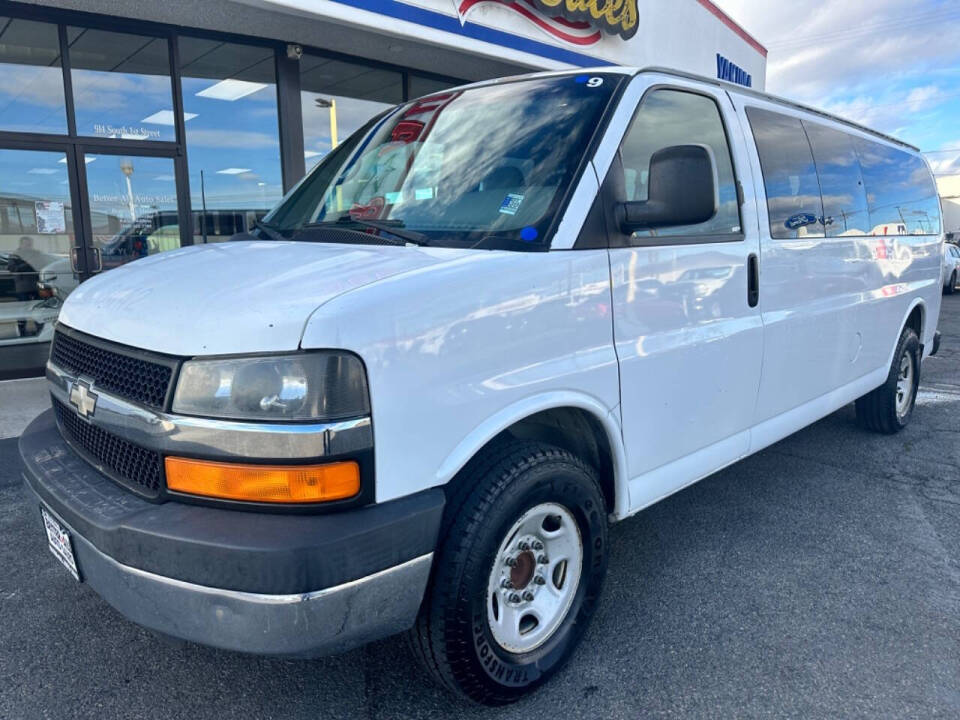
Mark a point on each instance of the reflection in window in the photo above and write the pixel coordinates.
(901, 194)
(233, 137)
(457, 168)
(789, 175)
(338, 97)
(36, 234)
(844, 199)
(31, 80)
(121, 85)
(133, 207)
(671, 117)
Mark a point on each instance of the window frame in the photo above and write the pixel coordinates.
(290, 131)
(609, 191)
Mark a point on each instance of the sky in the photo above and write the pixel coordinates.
(893, 65)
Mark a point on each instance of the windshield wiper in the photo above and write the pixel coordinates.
(394, 228)
(269, 230)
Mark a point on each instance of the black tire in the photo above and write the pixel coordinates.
(877, 410)
(452, 635)
(951, 284)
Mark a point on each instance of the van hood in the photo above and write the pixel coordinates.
(234, 297)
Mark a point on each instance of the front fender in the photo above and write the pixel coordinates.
(459, 351)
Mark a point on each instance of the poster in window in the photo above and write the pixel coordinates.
(51, 218)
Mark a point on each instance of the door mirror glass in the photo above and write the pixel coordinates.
(682, 190)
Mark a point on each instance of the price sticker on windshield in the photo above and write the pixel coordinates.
(511, 203)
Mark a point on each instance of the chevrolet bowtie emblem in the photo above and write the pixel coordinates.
(83, 398)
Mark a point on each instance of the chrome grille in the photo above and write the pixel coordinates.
(126, 375)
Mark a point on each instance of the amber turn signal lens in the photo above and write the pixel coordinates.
(264, 483)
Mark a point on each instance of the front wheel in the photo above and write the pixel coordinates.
(888, 408)
(517, 573)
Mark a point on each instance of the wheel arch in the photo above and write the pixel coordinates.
(577, 423)
(915, 317)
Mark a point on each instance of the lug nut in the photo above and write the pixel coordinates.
(543, 559)
(537, 545)
(514, 598)
(524, 545)
(506, 584)
(528, 596)
(511, 561)
(539, 580)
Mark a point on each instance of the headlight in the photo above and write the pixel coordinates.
(304, 386)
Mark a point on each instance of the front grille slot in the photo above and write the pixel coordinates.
(130, 377)
(132, 465)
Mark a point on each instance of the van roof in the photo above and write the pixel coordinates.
(623, 70)
(776, 99)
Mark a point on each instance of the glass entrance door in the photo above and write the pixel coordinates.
(133, 209)
(38, 267)
(67, 213)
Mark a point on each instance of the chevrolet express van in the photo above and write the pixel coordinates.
(488, 324)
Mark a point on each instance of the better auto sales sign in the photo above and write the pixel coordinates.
(616, 17)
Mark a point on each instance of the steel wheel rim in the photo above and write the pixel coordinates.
(905, 384)
(528, 601)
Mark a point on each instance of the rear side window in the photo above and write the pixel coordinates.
(675, 117)
(841, 187)
(789, 175)
(901, 195)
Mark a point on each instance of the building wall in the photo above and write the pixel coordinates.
(949, 188)
(683, 34)
(269, 21)
(471, 39)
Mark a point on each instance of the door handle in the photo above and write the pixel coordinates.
(753, 280)
(99, 259)
(74, 254)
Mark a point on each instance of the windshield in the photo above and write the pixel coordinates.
(484, 167)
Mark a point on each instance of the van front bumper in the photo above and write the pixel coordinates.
(268, 583)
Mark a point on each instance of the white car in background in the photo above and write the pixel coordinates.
(951, 267)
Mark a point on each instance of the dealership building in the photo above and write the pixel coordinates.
(132, 127)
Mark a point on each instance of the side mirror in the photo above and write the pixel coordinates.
(682, 190)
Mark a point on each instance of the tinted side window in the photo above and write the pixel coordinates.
(674, 117)
(841, 187)
(901, 194)
(789, 175)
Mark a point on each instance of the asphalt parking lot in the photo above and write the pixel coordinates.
(818, 578)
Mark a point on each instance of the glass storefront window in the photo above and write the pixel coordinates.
(31, 79)
(36, 235)
(233, 136)
(338, 97)
(133, 207)
(121, 85)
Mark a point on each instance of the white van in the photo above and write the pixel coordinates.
(492, 321)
